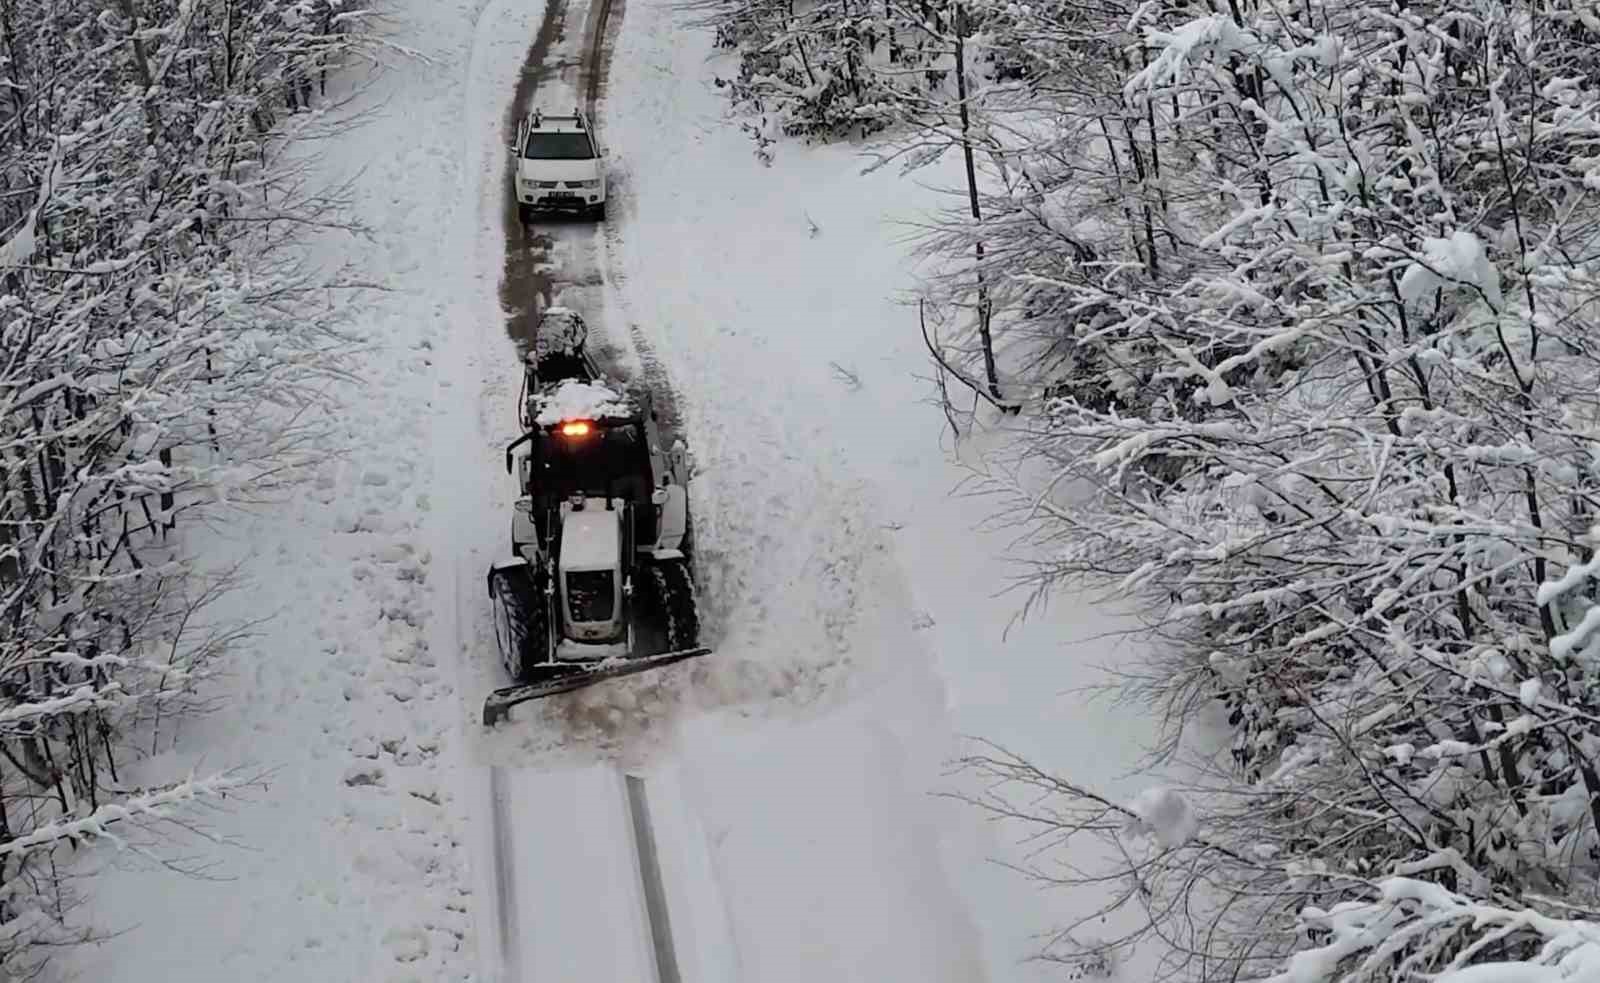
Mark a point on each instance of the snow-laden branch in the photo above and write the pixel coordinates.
(160, 804)
(1415, 927)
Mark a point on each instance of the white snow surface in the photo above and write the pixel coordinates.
(852, 600)
(1460, 258)
(574, 400)
(1164, 815)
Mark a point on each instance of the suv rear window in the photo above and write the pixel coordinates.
(589, 595)
(558, 146)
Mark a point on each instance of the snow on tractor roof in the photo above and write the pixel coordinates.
(574, 400)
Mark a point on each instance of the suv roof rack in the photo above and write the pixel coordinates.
(537, 117)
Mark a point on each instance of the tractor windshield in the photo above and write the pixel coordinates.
(606, 461)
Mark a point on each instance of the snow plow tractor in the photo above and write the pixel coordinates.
(600, 584)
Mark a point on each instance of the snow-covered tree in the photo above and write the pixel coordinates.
(924, 79)
(1405, 927)
(835, 69)
(949, 114)
(1325, 388)
(159, 349)
(1194, 882)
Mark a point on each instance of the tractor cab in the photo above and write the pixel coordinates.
(604, 459)
(599, 584)
(589, 442)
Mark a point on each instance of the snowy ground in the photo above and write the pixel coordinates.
(847, 593)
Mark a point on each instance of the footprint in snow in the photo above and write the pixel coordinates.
(360, 775)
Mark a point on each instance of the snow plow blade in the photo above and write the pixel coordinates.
(566, 677)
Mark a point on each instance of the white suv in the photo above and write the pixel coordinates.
(559, 165)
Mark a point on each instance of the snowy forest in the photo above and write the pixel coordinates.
(1298, 302)
(1295, 305)
(163, 358)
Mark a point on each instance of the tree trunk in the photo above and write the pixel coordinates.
(141, 68)
(16, 71)
(985, 337)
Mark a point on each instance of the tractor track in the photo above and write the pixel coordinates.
(655, 891)
(560, 254)
(504, 845)
(597, 67)
(528, 283)
(652, 371)
(566, 261)
(537, 270)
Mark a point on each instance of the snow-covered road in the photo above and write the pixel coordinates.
(553, 856)
(796, 759)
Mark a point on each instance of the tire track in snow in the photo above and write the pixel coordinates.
(546, 267)
(652, 371)
(505, 861)
(459, 374)
(597, 67)
(466, 378)
(530, 277)
(684, 892)
(568, 262)
(655, 891)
